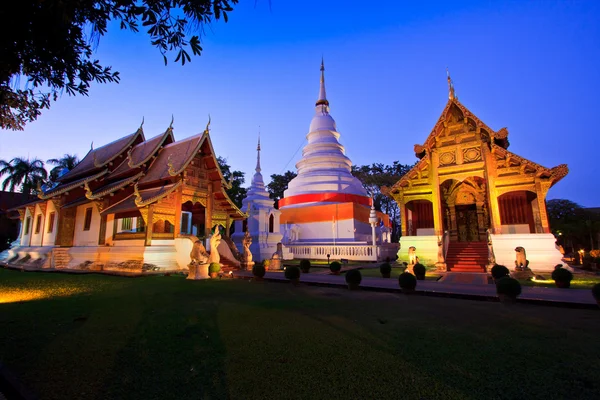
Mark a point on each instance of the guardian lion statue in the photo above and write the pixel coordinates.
(198, 255)
(521, 263)
(412, 255)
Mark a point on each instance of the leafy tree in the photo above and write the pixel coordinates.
(67, 161)
(48, 46)
(23, 173)
(278, 184)
(376, 175)
(236, 193)
(574, 226)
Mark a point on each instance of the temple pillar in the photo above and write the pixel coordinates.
(453, 226)
(177, 222)
(480, 220)
(208, 211)
(227, 225)
(541, 188)
(434, 181)
(490, 170)
(402, 208)
(149, 225)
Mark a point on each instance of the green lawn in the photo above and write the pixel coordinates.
(106, 337)
(579, 281)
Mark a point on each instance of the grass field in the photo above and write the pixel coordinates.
(579, 281)
(106, 337)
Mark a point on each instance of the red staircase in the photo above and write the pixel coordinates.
(467, 256)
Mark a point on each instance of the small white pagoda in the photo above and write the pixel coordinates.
(263, 220)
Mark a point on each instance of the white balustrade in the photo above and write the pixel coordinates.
(349, 252)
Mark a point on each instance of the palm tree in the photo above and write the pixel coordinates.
(23, 173)
(67, 161)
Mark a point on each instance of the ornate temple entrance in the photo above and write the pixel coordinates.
(467, 224)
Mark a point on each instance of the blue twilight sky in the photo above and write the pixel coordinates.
(532, 66)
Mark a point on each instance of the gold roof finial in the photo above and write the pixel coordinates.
(451, 94)
(207, 125)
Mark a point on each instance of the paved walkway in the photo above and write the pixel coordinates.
(453, 288)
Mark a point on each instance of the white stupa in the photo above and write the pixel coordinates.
(263, 219)
(325, 203)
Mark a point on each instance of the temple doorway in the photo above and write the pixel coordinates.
(466, 221)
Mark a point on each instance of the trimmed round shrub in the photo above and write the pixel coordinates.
(385, 269)
(407, 281)
(562, 275)
(305, 266)
(353, 277)
(258, 270)
(499, 271)
(508, 286)
(335, 266)
(596, 291)
(292, 272)
(214, 268)
(419, 270)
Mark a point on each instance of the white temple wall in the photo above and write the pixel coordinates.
(86, 237)
(37, 230)
(426, 248)
(26, 230)
(540, 250)
(50, 236)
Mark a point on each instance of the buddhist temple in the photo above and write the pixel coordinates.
(325, 204)
(133, 204)
(263, 222)
(473, 198)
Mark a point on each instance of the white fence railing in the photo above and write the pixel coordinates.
(348, 252)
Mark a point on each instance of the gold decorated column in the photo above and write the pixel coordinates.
(149, 225)
(177, 222)
(490, 176)
(541, 189)
(209, 210)
(434, 181)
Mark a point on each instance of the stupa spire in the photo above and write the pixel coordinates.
(451, 94)
(258, 153)
(322, 95)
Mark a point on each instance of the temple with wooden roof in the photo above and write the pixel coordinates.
(469, 202)
(134, 203)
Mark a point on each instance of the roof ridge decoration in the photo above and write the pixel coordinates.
(69, 186)
(159, 143)
(451, 94)
(116, 186)
(205, 135)
(406, 176)
(140, 202)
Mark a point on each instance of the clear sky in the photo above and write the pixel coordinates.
(531, 66)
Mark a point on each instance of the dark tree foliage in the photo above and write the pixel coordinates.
(66, 162)
(376, 175)
(236, 193)
(23, 173)
(278, 185)
(574, 226)
(47, 47)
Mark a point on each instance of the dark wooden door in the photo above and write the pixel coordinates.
(466, 222)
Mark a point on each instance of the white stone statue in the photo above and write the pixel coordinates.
(198, 266)
(521, 262)
(412, 255)
(294, 233)
(276, 259)
(215, 239)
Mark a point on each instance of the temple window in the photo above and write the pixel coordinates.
(516, 212)
(38, 224)
(87, 222)
(51, 222)
(126, 224)
(271, 223)
(27, 225)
